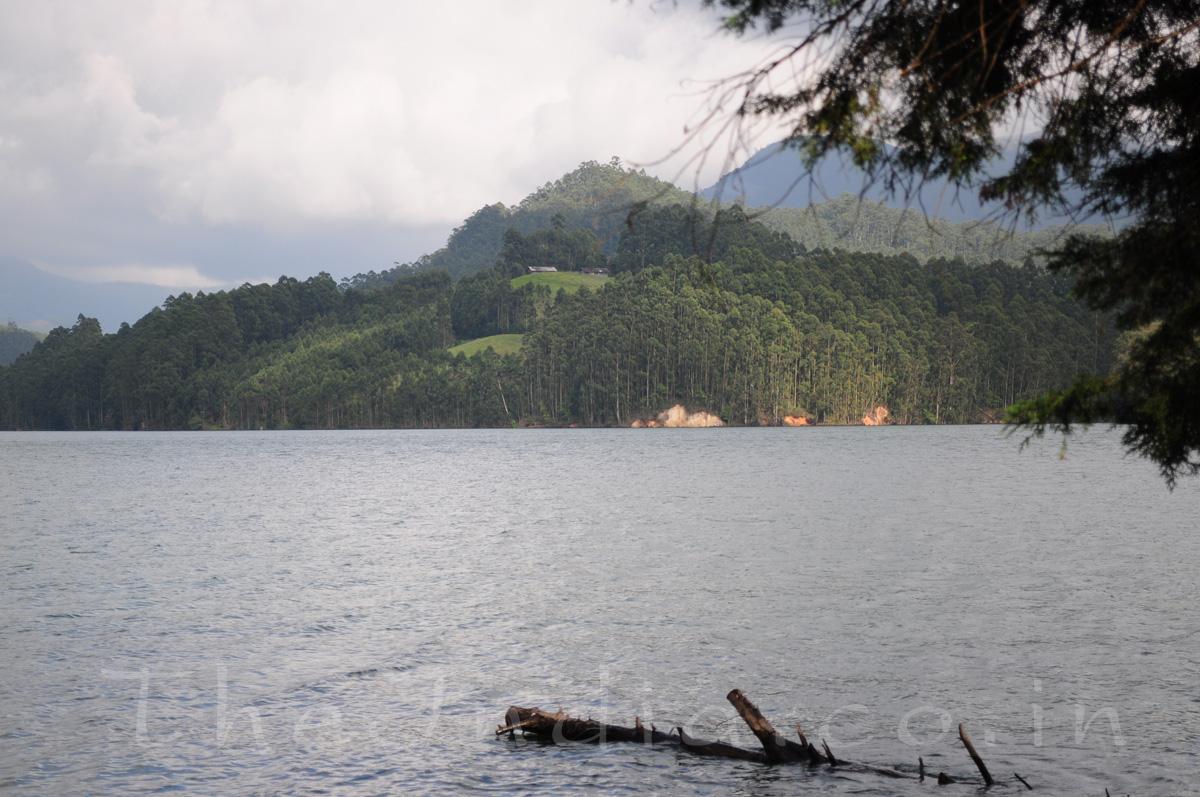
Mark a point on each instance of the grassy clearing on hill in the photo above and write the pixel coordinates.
(569, 281)
(501, 344)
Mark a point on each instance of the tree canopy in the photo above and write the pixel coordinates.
(1106, 89)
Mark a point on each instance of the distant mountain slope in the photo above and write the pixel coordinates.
(594, 196)
(15, 341)
(776, 176)
(858, 225)
(35, 299)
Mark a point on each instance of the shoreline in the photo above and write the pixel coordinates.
(516, 427)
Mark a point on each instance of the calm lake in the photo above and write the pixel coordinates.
(352, 612)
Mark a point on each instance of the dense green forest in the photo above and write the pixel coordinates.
(15, 341)
(713, 310)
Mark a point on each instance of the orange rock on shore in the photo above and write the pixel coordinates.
(876, 417)
(795, 420)
(678, 418)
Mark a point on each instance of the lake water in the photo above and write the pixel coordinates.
(351, 612)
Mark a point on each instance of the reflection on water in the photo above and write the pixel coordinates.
(351, 612)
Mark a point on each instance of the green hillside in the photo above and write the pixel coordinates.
(501, 344)
(569, 281)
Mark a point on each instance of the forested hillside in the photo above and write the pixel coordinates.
(754, 328)
(595, 197)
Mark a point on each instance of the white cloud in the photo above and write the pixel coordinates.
(179, 277)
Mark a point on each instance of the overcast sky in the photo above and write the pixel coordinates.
(194, 144)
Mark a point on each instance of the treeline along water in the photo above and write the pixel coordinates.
(756, 335)
(351, 612)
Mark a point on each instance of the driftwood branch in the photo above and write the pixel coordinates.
(558, 727)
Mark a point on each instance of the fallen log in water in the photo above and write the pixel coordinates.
(558, 727)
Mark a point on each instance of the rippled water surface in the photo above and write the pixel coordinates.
(351, 612)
